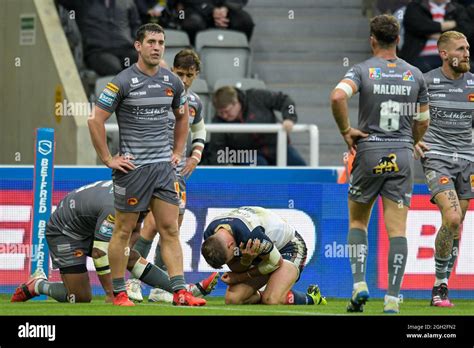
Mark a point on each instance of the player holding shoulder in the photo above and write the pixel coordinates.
(393, 95)
(260, 249)
(187, 66)
(141, 96)
(82, 226)
(447, 152)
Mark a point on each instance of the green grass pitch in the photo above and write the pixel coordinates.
(216, 306)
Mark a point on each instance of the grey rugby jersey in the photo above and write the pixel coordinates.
(451, 109)
(390, 91)
(195, 116)
(142, 103)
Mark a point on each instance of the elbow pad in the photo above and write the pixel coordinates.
(198, 133)
(272, 264)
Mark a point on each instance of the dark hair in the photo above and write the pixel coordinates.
(186, 59)
(148, 27)
(214, 252)
(224, 96)
(385, 28)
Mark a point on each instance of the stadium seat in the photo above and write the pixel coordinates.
(200, 88)
(176, 40)
(244, 83)
(112, 137)
(224, 53)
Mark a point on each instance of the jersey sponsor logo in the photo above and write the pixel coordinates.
(436, 80)
(392, 89)
(444, 180)
(134, 80)
(106, 228)
(408, 76)
(156, 85)
(137, 93)
(430, 175)
(470, 82)
(107, 97)
(471, 97)
(110, 218)
(166, 78)
(456, 90)
(391, 65)
(375, 73)
(386, 164)
(132, 201)
(437, 95)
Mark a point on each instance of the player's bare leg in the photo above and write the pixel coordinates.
(78, 287)
(280, 283)
(166, 219)
(395, 216)
(452, 215)
(359, 216)
(119, 252)
(245, 292)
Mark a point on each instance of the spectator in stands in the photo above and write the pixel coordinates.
(252, 106)
(108, 28)
(390, 6)
(424, 22)
(163, 12)
(222, 14)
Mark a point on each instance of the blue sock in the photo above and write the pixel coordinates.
(299, 298)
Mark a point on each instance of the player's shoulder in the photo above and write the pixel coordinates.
(194, 98)
(126, 75)
(433, 74)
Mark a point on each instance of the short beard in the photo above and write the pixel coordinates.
(461, 68)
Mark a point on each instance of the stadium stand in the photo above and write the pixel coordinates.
(295, 56)
(224, 53)
(176, 40)
(245, 83)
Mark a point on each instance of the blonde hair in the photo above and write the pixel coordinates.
(449, 36)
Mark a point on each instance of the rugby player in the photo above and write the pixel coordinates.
(82, 226)
(261, 249)
(187, 66)
(393, 95)
(143, 172)
(447, 152)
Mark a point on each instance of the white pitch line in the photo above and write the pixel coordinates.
(252, 310)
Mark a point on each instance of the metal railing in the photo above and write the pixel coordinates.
(265, 128)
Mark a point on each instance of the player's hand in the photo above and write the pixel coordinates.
(288, 125)
(175, 159)
(351, 138)
(230, 278)
(420, 149)
(188, 169)
(252, 249)
(121, 162)
(221, 22)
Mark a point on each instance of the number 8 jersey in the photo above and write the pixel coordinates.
(391, 92)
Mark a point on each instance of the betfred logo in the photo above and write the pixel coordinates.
(424, 221)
